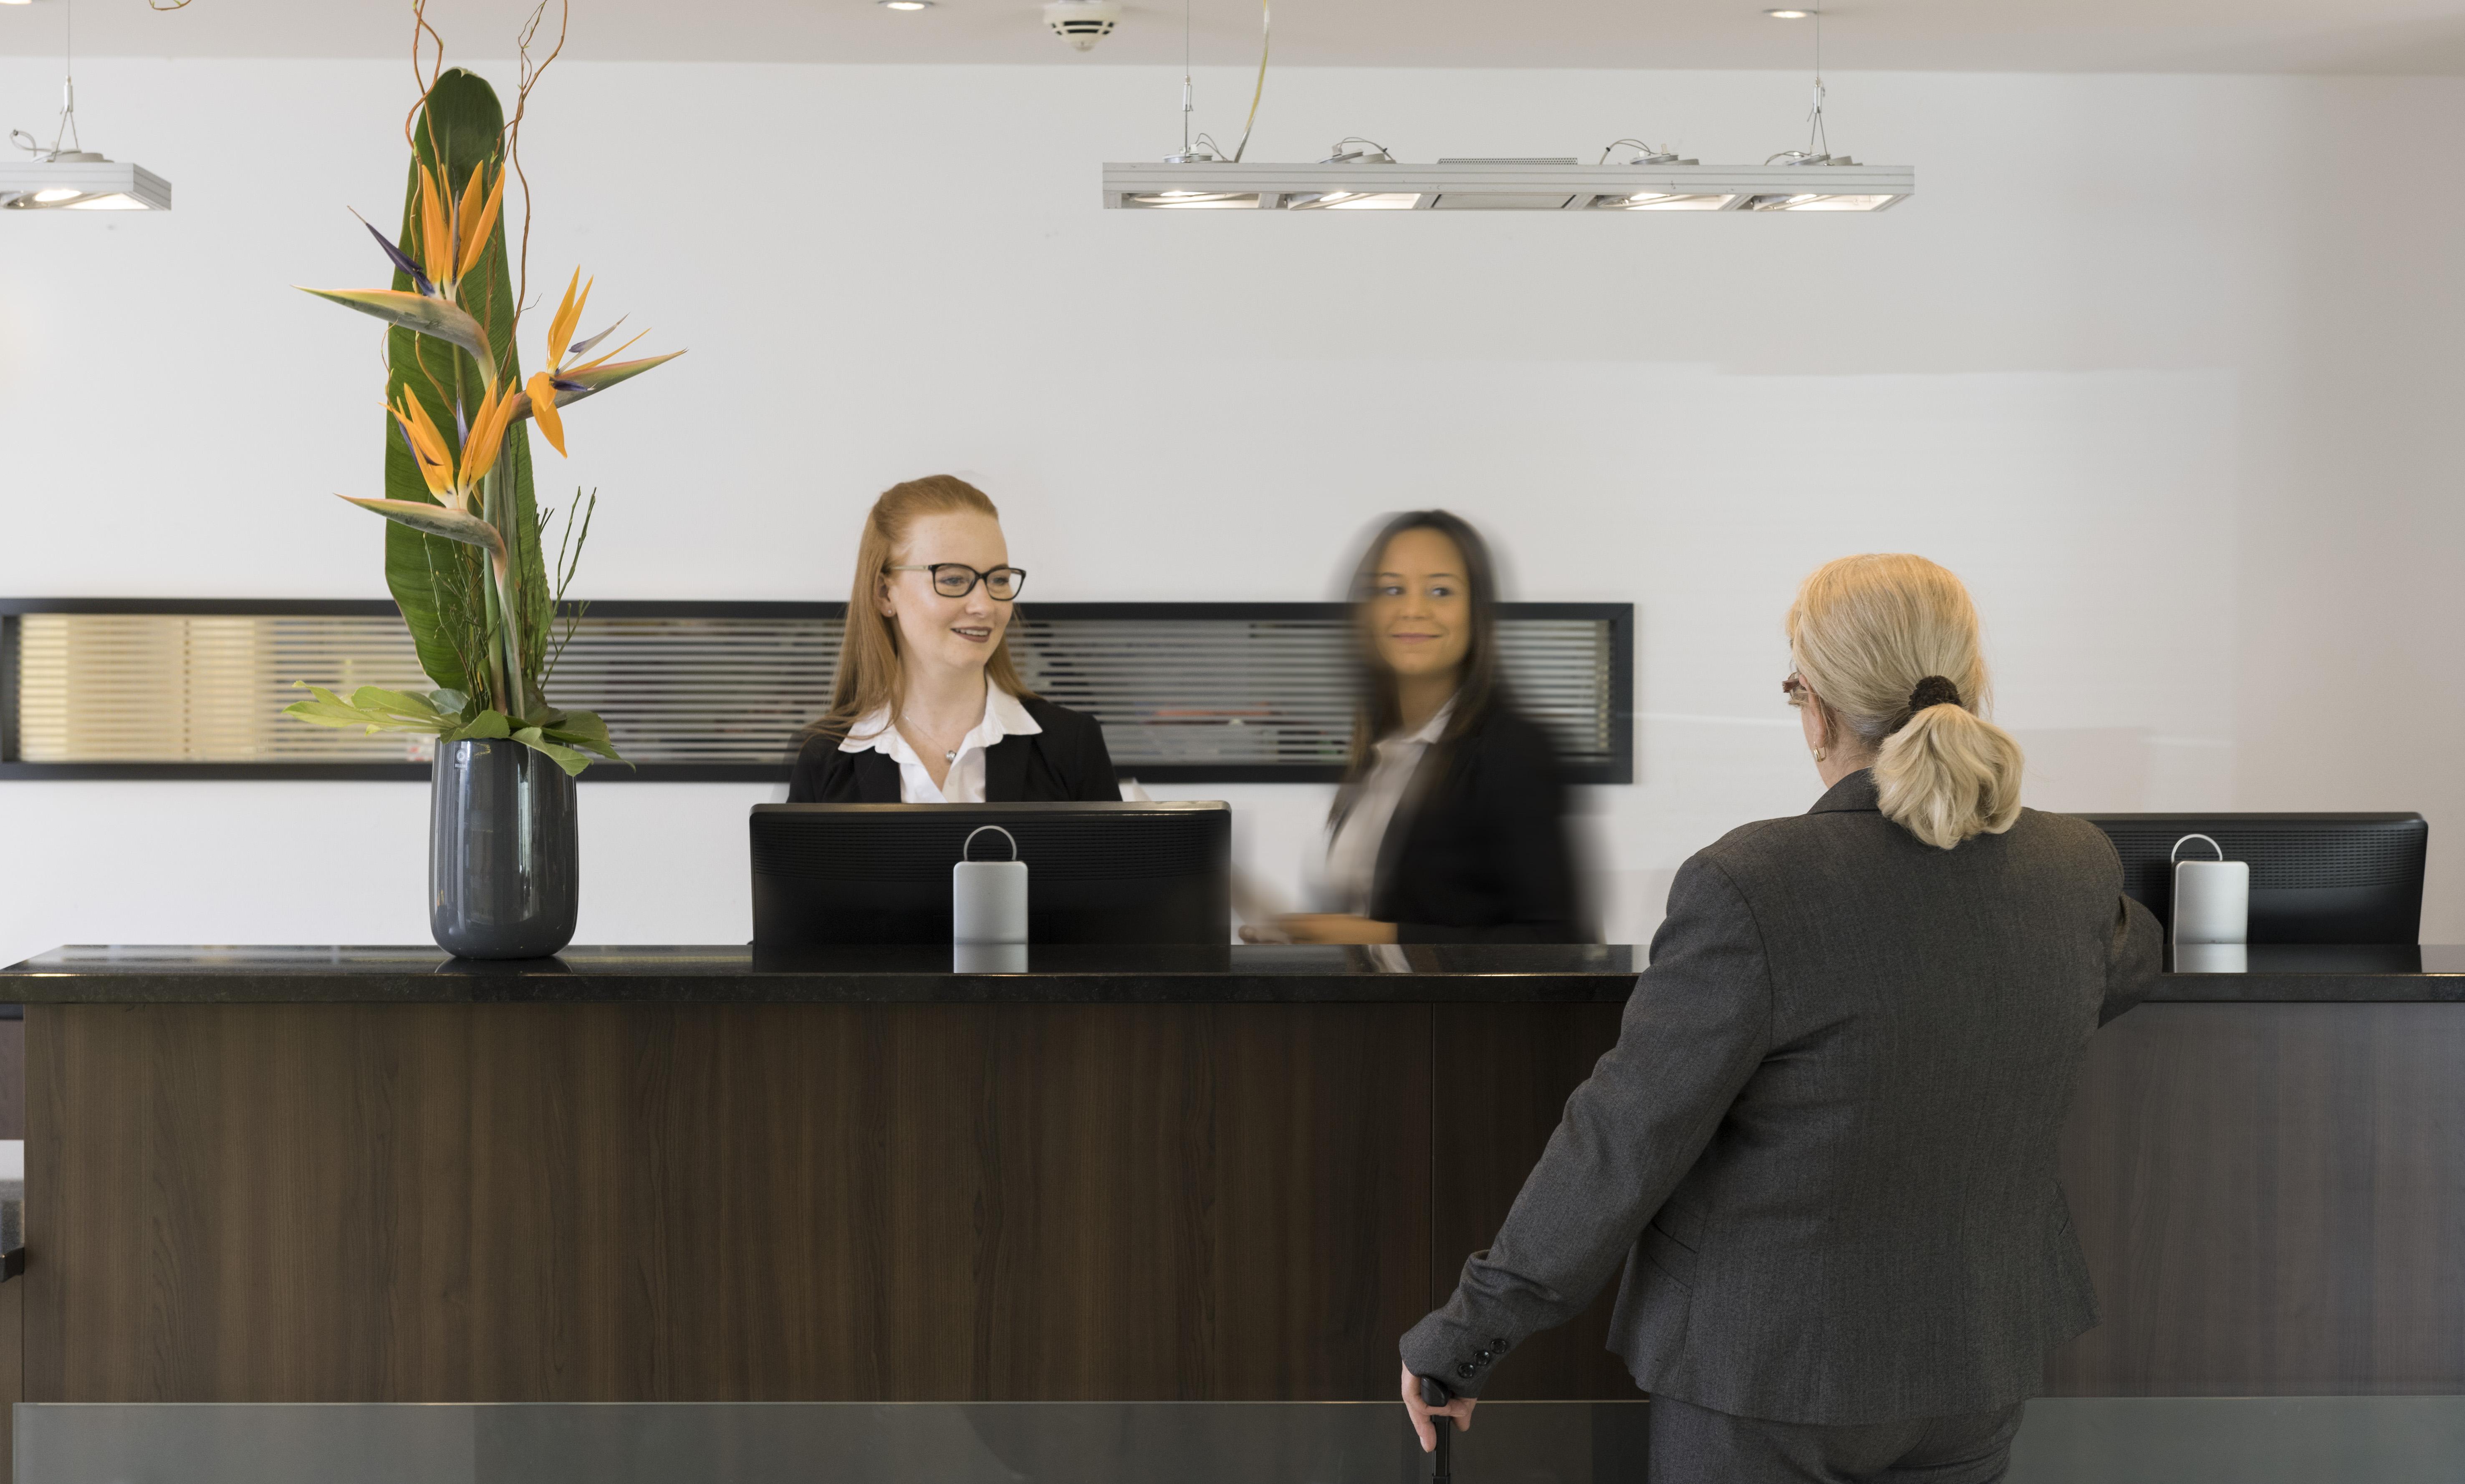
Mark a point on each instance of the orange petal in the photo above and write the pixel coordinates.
(543, 410)
(487, 433)
(427, 449)
(436, 240)
(475, 236)
(414, 420)
(568, 314)
(465, 212)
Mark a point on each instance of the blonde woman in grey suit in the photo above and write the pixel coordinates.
(1824, 1147)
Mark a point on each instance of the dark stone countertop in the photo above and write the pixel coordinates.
(1053, 974)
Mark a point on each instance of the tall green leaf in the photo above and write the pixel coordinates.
(441, 586)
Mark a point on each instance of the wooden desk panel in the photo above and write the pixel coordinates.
(2272, 1199)
(1503, 1076)
(450, 1201)
(566, 1203)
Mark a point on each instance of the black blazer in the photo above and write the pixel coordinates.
(1065, 762)
(1478, 852)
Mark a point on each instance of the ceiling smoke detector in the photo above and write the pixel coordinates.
(1082, 23)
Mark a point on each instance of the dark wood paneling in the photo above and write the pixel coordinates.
(329, 1202)
(2272, 1199)
(13, 1079)
(12, 1371)
(1502, 1075)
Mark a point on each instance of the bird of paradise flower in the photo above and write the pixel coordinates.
(463, 471)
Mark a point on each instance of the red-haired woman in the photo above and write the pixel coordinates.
(928, 708)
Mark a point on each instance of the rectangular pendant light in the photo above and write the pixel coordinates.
(88, 185)
(1506, 185)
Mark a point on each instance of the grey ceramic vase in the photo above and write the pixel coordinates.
(504, 858)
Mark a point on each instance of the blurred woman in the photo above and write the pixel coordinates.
(1450, 827)
(1824, 1147)
(928, 708)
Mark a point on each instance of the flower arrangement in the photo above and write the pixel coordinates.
(464, 547)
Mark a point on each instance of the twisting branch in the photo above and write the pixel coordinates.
(418, 25)
(530, 77)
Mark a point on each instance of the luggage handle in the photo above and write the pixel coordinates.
(1442, 1463)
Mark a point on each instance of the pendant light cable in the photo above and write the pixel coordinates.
(1266, 37)
(66, 130)
(1818, 140)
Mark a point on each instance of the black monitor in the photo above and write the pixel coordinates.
(2314, 878)
(1144, 873)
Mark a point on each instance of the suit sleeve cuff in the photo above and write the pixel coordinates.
(1443, 1350)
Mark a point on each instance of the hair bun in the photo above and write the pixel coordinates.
(1933, 691)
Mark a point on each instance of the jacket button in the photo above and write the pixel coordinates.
(1499, 1345)
(1465, 1371)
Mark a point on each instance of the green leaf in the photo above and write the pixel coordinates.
(572, 762)
(369, 708)
(585, 729)
(401, 703)
(438, 584)
(487, 726)
(449, 703)
(434, 521)
(415, 312)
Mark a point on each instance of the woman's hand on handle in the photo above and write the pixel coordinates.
(1459, 1408)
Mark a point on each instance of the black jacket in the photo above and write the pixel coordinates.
(1063, 762)
(1478, 852)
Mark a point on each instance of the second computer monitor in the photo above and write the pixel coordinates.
(2314, 878)
(1144, 873)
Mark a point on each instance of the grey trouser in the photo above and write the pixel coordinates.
(1694, 1445)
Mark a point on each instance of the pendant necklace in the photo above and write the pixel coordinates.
(952, 756)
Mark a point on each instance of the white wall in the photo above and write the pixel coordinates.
(2160, 365)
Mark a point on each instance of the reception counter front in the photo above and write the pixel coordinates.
(1121, 1175)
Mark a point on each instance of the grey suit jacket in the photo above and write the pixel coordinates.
(1824, 1145)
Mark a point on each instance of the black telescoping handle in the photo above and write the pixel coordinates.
(1442, 1463)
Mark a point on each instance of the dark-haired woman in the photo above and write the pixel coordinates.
(928, 708)
(1450, 826)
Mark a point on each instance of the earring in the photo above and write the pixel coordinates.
(1819, 754)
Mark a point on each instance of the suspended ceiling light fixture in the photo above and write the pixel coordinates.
(1652, 178)
(1827, 194)
(1200, 151)
(68, 176)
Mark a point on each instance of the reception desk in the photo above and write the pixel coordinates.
(1123, 1175)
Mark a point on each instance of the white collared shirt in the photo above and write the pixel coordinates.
(1356, 841)
(965, 782)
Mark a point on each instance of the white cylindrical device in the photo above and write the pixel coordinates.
(2211, 898)
(988, 898)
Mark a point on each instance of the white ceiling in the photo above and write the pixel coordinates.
(2387, 36)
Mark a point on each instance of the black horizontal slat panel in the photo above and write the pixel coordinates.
(1228, 693)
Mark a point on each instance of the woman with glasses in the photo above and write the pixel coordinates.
(1450, 827)
(929, 707)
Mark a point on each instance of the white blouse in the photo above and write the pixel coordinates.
(965, 782)
(1355, 841)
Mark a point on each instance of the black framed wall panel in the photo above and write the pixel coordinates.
(159, 688)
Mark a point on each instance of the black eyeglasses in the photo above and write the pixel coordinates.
(957, 578)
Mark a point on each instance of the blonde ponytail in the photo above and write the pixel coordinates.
(1949, 774)
(1888, 644)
